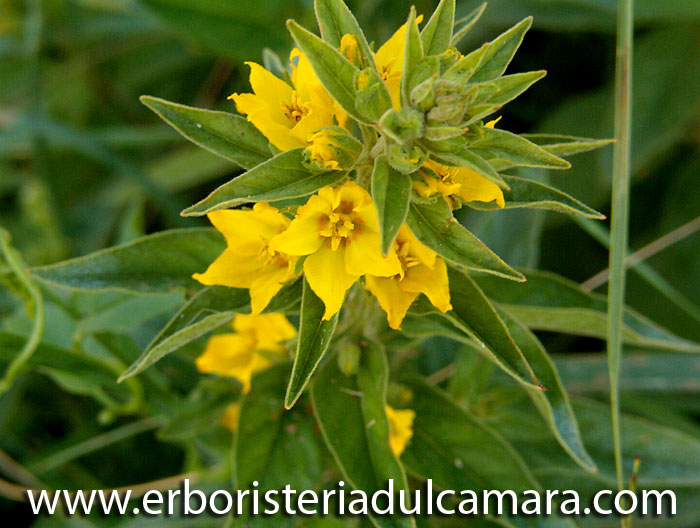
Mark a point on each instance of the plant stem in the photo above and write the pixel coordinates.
(12, 258)
(620, 213)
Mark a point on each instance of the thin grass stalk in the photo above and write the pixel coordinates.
(620, 214)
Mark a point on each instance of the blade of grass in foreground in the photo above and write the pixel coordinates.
(620, 213)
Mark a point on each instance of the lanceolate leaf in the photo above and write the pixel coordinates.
(554, 402)
(502, 145)
(335, 20)
(476, 318)
(434, 225)
(550, 302)
(413, 52)
(437, 33)
(209, 309)
(506, 88)
(535, 195)
(315, 336)
(566, 145)
(335, 72)
(350, 410)
(465, 24)
(391, 194)
(499, 52)
(226, 135)
(154, 263)
(279, 178)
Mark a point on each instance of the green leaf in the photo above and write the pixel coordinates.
(351, 412)
(456, 450)
(501, 145)
(413, 52)
(230, 136)
(499, 52)
(560, 145)
(154, 263)
(465, 24)
(434, 225)
(273, 446)
(554, 402)
(315, 336)
(535, 195)
(391, 194)
(335, 20)
(490, 96)
(207, 310)
(188, 324)
(459, 452)
(335, 72)
(550, 302)
(279, 178)
(474, 316)
(437, 33)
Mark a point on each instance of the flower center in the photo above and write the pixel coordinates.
(403, 251)
(294, 109)
(270, 257)
(340, 225)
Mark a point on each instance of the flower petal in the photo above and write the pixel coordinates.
(393, 299)
(302, 237)
(363, 256)
(327, 277)
(231, 269)
(432, 282)
(268, 86)
(475, 188)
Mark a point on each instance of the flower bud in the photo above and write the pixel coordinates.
(406, 158)
(403, 126)
(331, 148)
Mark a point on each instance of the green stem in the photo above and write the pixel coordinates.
(37, 298)
(95, 444)
(620, 213)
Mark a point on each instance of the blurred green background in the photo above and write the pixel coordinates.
(83, 166)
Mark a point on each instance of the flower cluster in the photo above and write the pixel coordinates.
(336, 231)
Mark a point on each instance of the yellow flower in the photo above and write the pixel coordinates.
(389, 60)
(288, 115)
(248, 261)
(463, 182)
(253, 346)
(400, 428)
(422, 271)
(338, 230)
(230, 418)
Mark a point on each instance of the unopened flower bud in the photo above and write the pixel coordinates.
(403, 126)
(406, 158)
